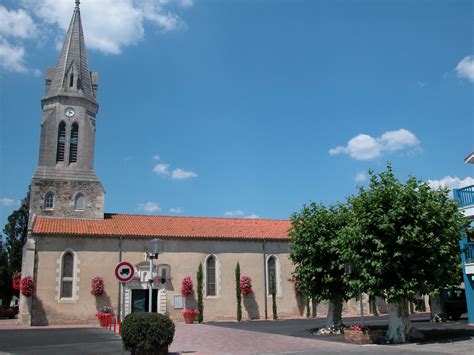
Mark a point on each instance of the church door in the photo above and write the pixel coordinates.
(140, 300)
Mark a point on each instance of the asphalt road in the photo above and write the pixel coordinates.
(60, 341)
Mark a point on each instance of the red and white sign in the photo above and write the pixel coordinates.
(124, 271)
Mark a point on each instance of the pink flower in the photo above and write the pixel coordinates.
(245, 285)
(186, 286)
(27, 286)
(189, 312)
(97, 286)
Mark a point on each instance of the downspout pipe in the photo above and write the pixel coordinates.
(119, 303)
(265, 278)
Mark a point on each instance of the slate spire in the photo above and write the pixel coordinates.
(71, 76)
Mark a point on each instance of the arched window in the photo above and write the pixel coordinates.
(80, 202)
(61, 142)
(48, 201)
(73, 143)
(273, 277)
(67, 274)
(211, 284)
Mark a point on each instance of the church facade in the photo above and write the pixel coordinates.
(71, 240)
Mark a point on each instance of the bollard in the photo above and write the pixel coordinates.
(115, 321)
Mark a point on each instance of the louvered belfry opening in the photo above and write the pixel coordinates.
(73, 143)
(61, 142)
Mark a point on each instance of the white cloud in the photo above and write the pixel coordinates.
(15, 27)
(16, 24)
(180, 174)
(176, 210)
(12, 58)
(451, 182)
(109, 25)
(5, 201)
(252, 216)
(236, 213)
(465, 68)
(360, 177)
(156, 157)
(149, 207)
(365, 147)
(161, 169)
(240, 214)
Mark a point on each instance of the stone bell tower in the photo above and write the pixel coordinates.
(65, 183)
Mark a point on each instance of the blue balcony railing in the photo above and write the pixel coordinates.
(465, 196)
(469, 253)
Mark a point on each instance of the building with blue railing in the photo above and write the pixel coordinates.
(465, 198)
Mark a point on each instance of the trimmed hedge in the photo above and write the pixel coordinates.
(147, 333)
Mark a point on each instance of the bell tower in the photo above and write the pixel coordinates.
(65, 183)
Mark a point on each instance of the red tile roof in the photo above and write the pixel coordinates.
(165, 226)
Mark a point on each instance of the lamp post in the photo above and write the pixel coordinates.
(155, 248)
(351, 269)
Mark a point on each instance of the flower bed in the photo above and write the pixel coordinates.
(363, 335)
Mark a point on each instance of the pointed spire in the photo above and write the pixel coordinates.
(71, 75)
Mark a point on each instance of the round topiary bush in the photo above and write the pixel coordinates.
(147, 333)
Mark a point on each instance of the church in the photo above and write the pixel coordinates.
(71, 240)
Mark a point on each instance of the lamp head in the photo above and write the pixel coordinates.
(156, 247)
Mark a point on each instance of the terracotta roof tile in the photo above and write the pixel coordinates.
(165, 226)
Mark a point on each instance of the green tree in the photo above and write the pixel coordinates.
(200, 303)
(404, 240)
(315, 250)
(238, 293)
(6, 289)
(16, 231)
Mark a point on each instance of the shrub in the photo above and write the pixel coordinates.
(200, 303)
(187, 286)
(97, 286)
(238, 292)
(149, 333)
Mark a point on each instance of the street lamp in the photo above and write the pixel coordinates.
(352, 269)
(154, 249)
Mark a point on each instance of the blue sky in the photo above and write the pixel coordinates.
(253, 107)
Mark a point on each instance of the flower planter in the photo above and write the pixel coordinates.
(189, 318)
(360, 337)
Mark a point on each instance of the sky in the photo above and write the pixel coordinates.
(248, 108)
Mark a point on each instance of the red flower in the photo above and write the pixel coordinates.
(16, 281)
(245, 285)
(189, 312)
(97, 286)
(186, 286)
(27, 286)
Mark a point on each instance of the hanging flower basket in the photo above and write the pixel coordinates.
(189, 315)
(27, 286)
(245, 285)
(97, 286)
(16, 281)
(187, 286)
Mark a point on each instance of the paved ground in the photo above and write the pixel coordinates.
(215, 338)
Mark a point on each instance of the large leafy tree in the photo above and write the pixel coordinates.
(16, 231)
(315, 250)
(405, 241)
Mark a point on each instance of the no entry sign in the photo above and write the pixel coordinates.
(124, 271)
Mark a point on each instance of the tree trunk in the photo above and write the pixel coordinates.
(333, 318)
(399, 325)
(436, 308)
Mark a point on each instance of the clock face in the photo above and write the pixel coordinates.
(69, 112)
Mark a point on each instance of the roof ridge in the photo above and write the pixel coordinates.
(201, 217)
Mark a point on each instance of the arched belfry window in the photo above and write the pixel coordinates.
(48, 201)
(211, 276)
(73, 143)
(80, 202)
(61, 142)
(67, 275)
